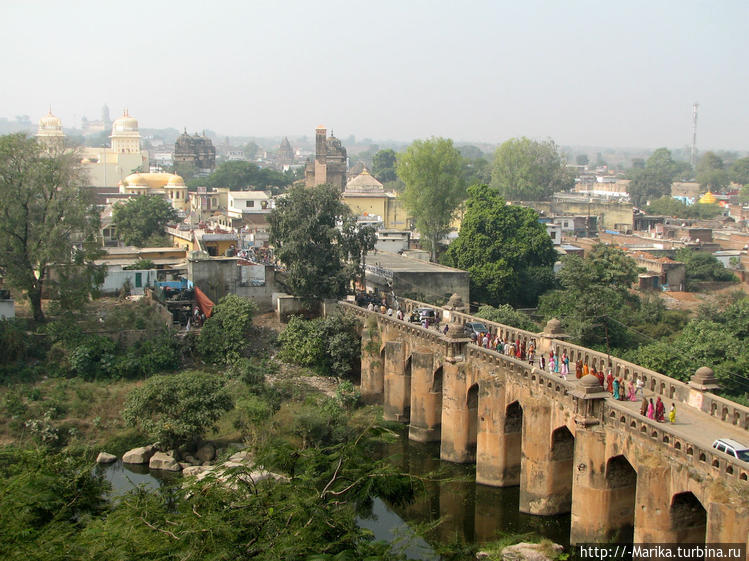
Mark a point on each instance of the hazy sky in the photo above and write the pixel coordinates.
(615, 73)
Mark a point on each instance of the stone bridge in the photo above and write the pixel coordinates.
(568, 444)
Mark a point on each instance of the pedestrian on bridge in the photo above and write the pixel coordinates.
(651, 409)
(672, 413)
(644, 407)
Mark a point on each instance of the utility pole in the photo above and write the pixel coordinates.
(693, 154)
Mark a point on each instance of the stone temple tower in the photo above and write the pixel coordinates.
(330, 163)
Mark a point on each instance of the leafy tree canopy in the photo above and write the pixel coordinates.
(525, 169)
(668, 206)
(224, 336)
(330, 346)
(582, 160)
(595, 299)
(433, 173)
(506, 251)
(507, 315)
(739, 172)
(179, 408)
(701, 266)
(140, 218)
(383, 165)
(654, 180)
(239, 175)
(718, 338)
(48, 219)
(711, 173)
(304, 230)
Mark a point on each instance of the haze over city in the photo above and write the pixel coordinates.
(582, 73)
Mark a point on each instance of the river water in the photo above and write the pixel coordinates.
(468, 512)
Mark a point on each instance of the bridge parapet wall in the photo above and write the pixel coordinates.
(618, 418)
(669, 388)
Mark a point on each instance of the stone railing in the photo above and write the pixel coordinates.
(619, 417)
(550, 382)
(668, 388)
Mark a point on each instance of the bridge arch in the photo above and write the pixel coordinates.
(688, 518)
(620, 490)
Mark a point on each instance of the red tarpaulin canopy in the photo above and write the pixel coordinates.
(204, 303)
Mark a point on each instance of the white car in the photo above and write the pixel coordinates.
(732, 448)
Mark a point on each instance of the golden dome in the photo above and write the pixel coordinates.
(153, 180)
(708, 199)
(125, 124)
(50, 125)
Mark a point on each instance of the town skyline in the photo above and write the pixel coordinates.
(582, 74)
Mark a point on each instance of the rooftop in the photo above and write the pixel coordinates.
(401, 264)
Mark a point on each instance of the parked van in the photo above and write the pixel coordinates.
(732, 448)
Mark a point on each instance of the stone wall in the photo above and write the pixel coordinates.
(220, 276)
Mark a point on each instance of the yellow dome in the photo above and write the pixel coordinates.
(50, 125)
(153, 180)
(708, 199)
(125, 124)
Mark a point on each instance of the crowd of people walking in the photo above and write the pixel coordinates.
(619, 389)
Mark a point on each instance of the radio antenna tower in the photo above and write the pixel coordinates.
(693, 154)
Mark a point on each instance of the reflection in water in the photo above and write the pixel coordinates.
(124, 477)
(470, 512)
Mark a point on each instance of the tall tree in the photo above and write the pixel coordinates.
(739, 172)
(711, 173)
(383, 165)
(596, 301)
(525, 169)
(47, 218)
(506, 251)
(238, 175)
(303, 229)
(433, 173)
(654, 180)
(142, 217)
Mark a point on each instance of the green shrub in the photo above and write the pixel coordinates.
(179, 408)
(330, 346)
(94, 358)
(224, 336)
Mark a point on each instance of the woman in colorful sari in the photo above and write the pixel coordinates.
(644, 407)
(651, 409)
(565, 365)
(615, 388)
(631, 392)
(660, 410)
(579, 369)
(552, 362)
(672, 414)
(610, 382)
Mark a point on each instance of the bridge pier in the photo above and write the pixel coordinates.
(497, 451)
(397, 378)
(426, 398)
(603, 492)
(372, 366)
(456, 445)
(546, 464)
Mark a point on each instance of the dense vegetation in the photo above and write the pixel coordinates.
(54, 506)
(668, 206)
(598, 309)
(506, 251)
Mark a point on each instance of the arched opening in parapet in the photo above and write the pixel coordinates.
(688, 519)
(621, 487)
(472, 404)
(437, 381)
(513, 444)
(560, 470)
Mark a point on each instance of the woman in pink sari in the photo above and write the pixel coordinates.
(631, 393)
(651, 409)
